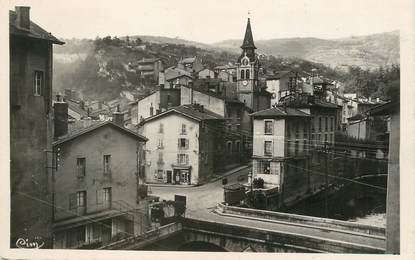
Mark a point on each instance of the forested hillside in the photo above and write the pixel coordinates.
(99, 68)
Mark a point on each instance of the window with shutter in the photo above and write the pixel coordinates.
(81, 199)
(187, 159)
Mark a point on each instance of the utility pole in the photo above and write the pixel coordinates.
(326, 212)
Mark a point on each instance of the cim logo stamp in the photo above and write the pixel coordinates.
(35, 243)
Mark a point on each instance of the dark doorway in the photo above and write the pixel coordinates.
(176, 176)
(169, 176)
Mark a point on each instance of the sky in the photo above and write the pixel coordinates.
(215, 20)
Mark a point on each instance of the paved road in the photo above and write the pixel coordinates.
(200, 198)
(201, 201)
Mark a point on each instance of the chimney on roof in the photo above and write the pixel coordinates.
(23, 17)
(61, 117)
(118, 117)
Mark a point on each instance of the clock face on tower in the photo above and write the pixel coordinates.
(245, 82)
(245, 62)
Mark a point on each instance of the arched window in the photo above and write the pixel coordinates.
(242, 74)
(247, 74)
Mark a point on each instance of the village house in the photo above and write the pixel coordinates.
(183, 146)
(357, 124)
(192, 65)
(280, 84)
(149, 67)
(226, 72)
(76, 109)
(176, 82)
(238, 126)
(99, 192)
(206, 74)
(155, 103)
(31, 114)
(72, 94)
(281, 154)
(392, 110)
(216, 87)
(323, 117)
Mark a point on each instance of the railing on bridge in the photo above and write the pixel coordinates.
(144, 239)
(293, 219)
(288, 242)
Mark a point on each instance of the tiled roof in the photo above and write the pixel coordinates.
(83, 131)
(148, 60)
(306, 101)
(225, 67)
(356, 117)
(216, 95)
(179, 76)
(172, 73)
(280, 74)
(384, 109)
(280, 112)
(319, 103)
(74, 106)
(35, 31)
(190, 111)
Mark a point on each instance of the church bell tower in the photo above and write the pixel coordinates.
(247, 70)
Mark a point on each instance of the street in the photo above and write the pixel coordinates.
(201, 199)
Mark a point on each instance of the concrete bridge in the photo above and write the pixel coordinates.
(238, 230)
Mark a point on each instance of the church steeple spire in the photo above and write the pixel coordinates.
(248, 42)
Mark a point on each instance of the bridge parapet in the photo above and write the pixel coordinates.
(323, 223)
(146, 238)
(236, 237)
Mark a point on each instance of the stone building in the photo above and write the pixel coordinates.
(157, 102)
(281, 154)
(100, 196)
(392, 109)
(279, 84)
(206, 74)
(237, 141)
(149, 67)
(192, 65)
(183, 145)
(31, 130)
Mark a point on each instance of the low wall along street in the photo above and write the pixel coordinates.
(316, 222)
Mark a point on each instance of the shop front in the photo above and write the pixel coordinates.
(181, 175)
